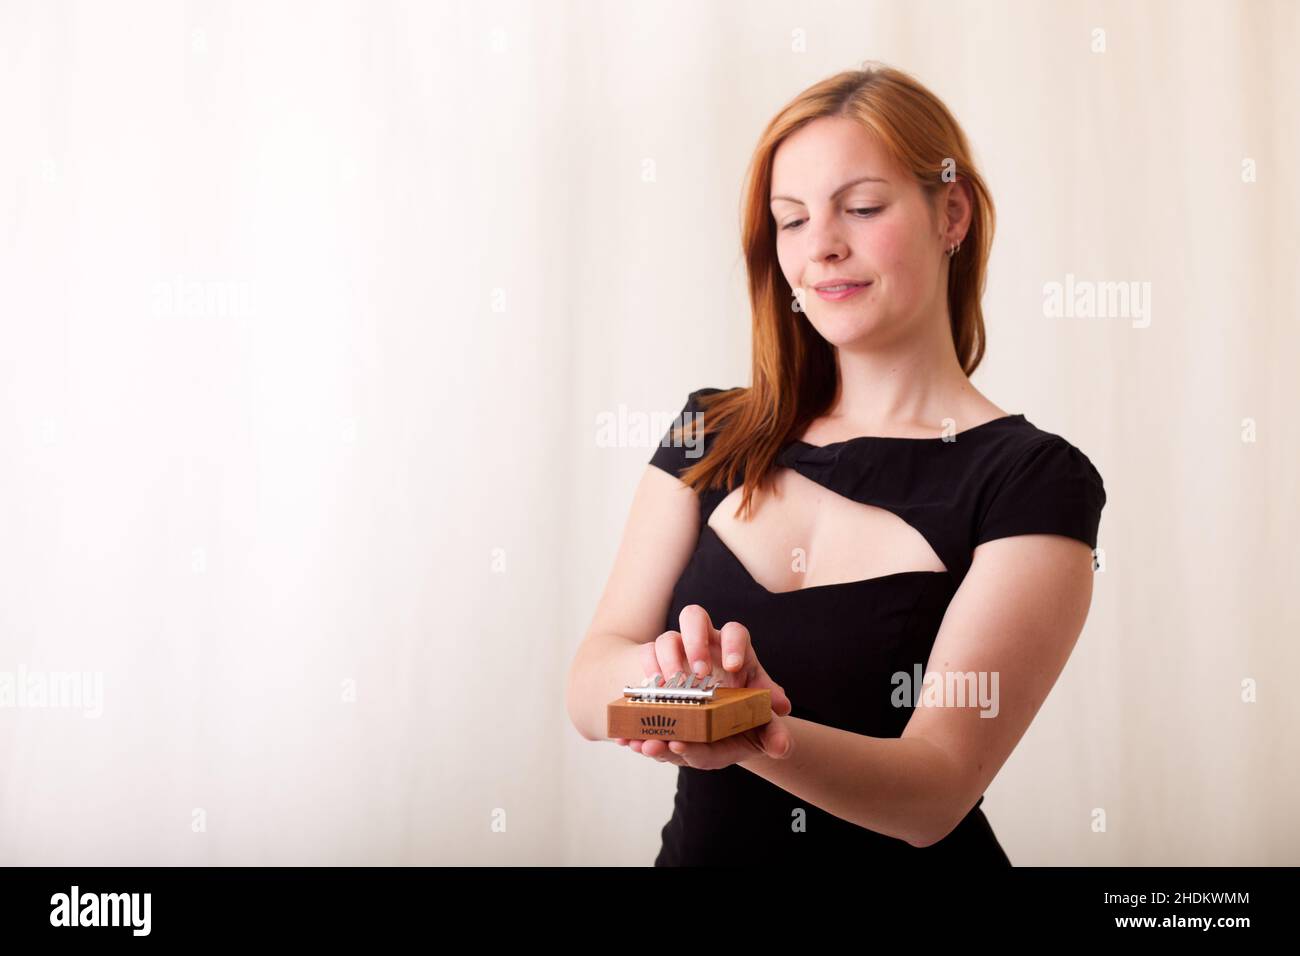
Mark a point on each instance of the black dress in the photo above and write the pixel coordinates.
(1005, 477)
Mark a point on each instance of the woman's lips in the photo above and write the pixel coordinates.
(843, 293)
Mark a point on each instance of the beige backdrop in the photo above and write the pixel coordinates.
(311, 312)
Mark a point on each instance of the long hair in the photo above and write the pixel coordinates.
(793, 367)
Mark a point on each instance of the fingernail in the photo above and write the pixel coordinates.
(701, 667)
(733, 660)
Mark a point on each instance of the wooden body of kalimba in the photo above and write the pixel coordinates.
(693, 710)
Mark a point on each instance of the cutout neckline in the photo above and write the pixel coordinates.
(739, 565)
(878, 438)
(735, 560)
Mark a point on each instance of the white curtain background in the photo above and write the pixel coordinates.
(309, 313)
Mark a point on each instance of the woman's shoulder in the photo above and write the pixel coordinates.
(1038, 481)
(687, 437)
(1026, 444)
(694, 399)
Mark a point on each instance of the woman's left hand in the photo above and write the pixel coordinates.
(773, 739)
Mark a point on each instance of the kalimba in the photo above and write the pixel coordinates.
(694, 709)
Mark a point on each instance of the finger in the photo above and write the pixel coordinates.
(679, 751)
(737, 650)
(716, 755)
(662, 752)
(698, 636)
(668, 650)
(654, 748)
(736, 642)
(650, 658)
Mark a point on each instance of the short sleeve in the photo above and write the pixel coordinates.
(1051, 489)
(674, 454)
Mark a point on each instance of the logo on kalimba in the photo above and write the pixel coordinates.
(658, 724)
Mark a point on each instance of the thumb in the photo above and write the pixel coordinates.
(776, 739)
(780, 701)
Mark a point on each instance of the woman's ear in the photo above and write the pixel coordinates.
(957, 203)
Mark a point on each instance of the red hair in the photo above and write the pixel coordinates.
(793, 367)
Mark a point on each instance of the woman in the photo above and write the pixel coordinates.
(904, 564)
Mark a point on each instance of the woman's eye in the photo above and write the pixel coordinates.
(865, 212)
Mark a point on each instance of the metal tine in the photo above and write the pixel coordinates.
(656, 688)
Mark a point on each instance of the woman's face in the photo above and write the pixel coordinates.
(829, 225)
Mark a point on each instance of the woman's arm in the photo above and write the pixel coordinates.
(1017, 615)
(662, 528)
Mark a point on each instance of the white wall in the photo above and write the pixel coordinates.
(307, 311)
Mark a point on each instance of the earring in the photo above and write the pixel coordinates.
(952, 250)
